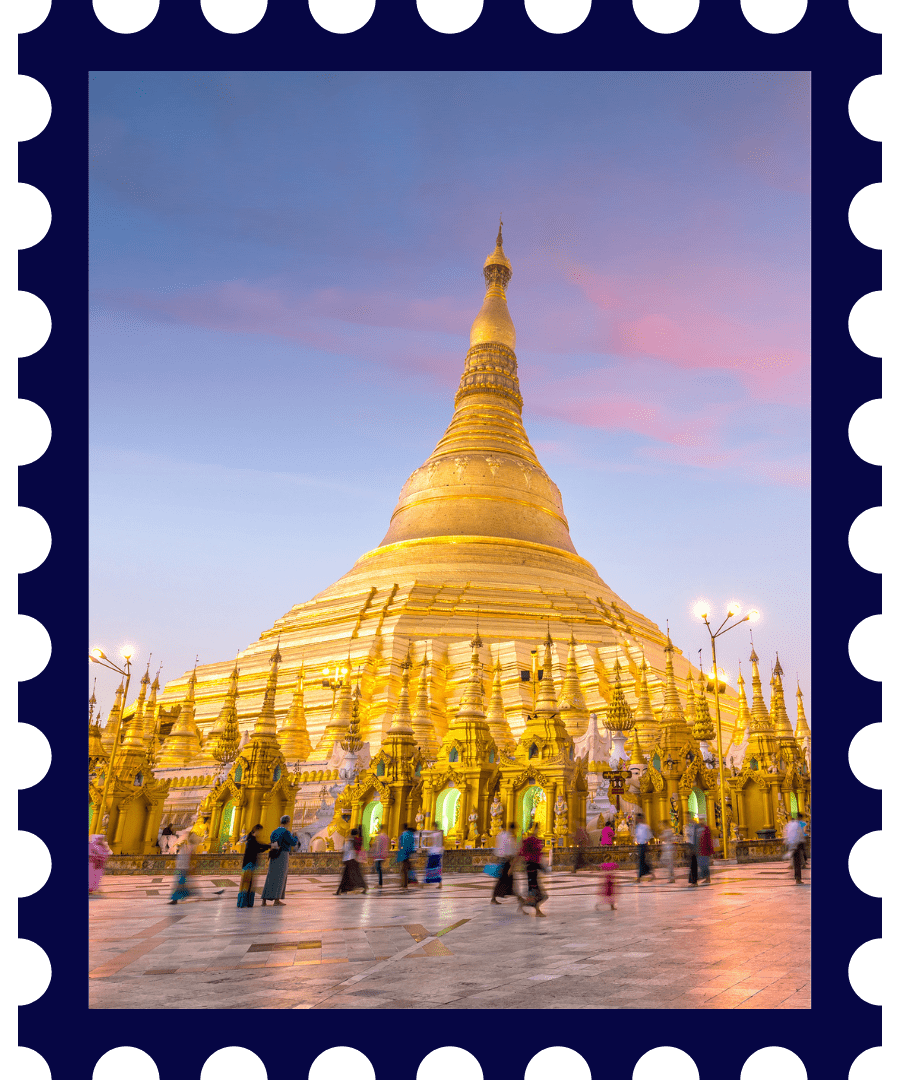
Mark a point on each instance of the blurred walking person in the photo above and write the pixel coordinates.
(435, 858)
(281, 841)
(378, 849)
(704, 851)
(530, 851)
(582, 841)
(608, 887)
(405, 851)
(642, 837)
(184, 863)
(252, 851)
(793, 840)
(98, 853)
(692, 842)
(352, 879)
(505, 851)
(667, 858)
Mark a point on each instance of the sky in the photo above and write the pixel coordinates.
(284, 268)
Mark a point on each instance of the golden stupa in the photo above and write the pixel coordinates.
(478, 532)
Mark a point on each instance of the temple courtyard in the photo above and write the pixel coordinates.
(741, 943)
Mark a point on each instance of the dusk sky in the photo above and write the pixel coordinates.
(284, 270)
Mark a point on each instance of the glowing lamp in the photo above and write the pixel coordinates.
(97, 654)
(701, 609)
(734, 608)
(753, 615)
(128, 651)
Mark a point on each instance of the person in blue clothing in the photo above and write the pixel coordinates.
(282, 840)
(405, 853)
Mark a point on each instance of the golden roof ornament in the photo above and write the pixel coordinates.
(742, 720)
(402, 721)
(225, 738)
(703, 729)
(353, 742)
(293, 736)
(496, 713)
(619, 716)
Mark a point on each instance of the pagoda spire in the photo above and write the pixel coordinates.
(402, 720)
(674, 731)
(644, 717)
(108, 733)
(703, 730)
(265, 728)
(804, 736)
(742, 720)
(546, 697)
(95, 747)
(422, 724)
(151, 739)
(225, 738)
(759, 714)
(182, 745)
(619, 715)
(352, 742)
(471, 705)
(761, 744)
(496, 713)
(294, 737)
(134, 728)
(780, 719)
(483, 470)
(690, 707)
(571, 706)
(637, 753)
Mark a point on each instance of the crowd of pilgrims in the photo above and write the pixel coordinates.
(509, 852)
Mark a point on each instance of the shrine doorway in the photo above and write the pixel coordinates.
(445, 810)
(372, 816)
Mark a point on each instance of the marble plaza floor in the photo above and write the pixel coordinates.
(740, 943)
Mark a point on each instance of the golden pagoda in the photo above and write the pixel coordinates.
(478, 536)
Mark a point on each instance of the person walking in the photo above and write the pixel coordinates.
(531, 849)
(435, 858)
(405, 850)
(642, 837)
(667, 857)
(166, 840)
(608, 884)
(692, 841)
(378, 849)
(505, 851)
(184, 863)
(252, 851)
(581, 843)
(793, 840)
(352, 879)
(99, 852)
(704, 851)
(281, 841)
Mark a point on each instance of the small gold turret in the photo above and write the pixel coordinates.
(225, 738)
(674, 731)
(151, 719)
(353, 742)
(637, 753)
(493, 323)
(422, 724)
(339, 723)
(703, 729)
(402, 721)
(265, 728)
(496, 714)
(294, 737)
(108, 732)
(134, 726)
(95, 747)
(804, 735)
(742, 720)
(644, 717)
(761, 744)
(619, 716)
(182, 745)
(690, 707)
(571, 706)
(546, 704)
(780, 719)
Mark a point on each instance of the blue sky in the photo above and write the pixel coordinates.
(284, 269)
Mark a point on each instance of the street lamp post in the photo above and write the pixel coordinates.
(702, 611)
(98, 656)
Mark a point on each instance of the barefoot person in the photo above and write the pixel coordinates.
(351, 876)
(98, 852)
(252, 851)
(282, 840)
(505, 851)
(531, 849)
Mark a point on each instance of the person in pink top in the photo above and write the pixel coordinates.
(98, 853)
(379, 847)
(608, 879)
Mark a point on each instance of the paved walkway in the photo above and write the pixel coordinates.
(741, 943)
